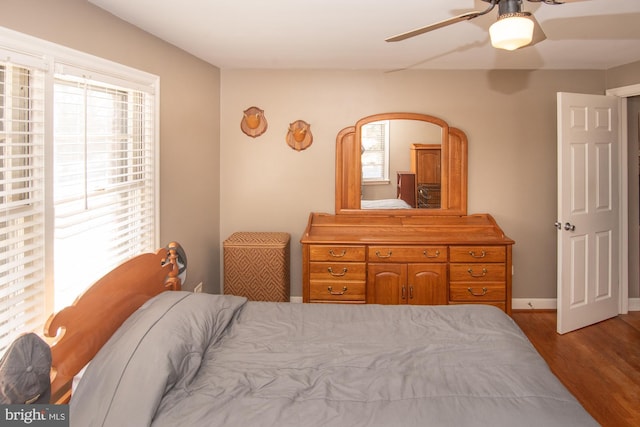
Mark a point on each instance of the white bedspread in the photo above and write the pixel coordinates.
(384, 204)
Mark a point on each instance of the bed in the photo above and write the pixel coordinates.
(77, 332)
(384, 204)
(192, 359)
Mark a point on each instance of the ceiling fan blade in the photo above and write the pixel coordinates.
(538, 33)
(446, 22)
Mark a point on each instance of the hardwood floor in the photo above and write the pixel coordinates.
(599, 364)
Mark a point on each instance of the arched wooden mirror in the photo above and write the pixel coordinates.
(401, 163)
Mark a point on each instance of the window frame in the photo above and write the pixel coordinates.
(52, 58)
(384, 166)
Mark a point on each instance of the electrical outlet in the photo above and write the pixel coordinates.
(198, 288)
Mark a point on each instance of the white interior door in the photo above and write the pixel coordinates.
(588, 210)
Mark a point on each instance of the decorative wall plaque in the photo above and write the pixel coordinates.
(253, 123)
(299, 136)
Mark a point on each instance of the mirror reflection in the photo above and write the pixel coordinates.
(413, 162)
(401, 164)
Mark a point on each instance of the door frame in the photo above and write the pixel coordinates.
(622, 93)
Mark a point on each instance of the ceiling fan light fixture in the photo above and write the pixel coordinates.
(511, 31)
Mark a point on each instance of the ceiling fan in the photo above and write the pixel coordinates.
(514, 28)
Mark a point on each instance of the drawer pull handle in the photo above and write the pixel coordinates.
(330, 270)
(482, 254)
(484, 273)
(435, 255)
(330, 289)
(379, 255)
(335, 255)
(484, 292)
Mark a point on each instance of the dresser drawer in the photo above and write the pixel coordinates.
(500, 304)
(477, 253)
(479, 272)
(407, 254)
(336, 253)
(337, 271)
(477, 292)
(345, 291)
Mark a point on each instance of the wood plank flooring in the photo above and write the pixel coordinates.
(599, 364)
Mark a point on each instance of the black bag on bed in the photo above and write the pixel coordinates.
(24, 371)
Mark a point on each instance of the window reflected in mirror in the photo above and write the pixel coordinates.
(375, 152)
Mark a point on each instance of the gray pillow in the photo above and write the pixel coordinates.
(24, 371)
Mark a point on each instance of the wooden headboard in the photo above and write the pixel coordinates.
(81, 329)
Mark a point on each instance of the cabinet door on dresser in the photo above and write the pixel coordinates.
(477, 274)
(337, 273)
(386, 283)
(420, 284)
(427, 284)
(393, 276)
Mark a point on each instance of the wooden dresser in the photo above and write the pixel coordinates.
(434, 253)
(395, 259)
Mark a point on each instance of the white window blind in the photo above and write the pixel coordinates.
(78, 175)
(375, 151)
(22, 173)
(104, 179)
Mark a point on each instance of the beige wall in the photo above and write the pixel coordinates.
(509, 117)
(625, 75)
(629, 75)
(189, 116)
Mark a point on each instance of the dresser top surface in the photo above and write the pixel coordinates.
(399, 229)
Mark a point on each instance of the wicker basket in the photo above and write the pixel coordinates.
(256, 266)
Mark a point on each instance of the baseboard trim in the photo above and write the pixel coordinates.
(551, 304)
(534, 304)
(295, 299)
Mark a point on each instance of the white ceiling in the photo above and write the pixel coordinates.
(350, 34)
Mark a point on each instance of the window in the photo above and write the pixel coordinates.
(103, 179)
(78, 176)
(22, 262)
(375, 152)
